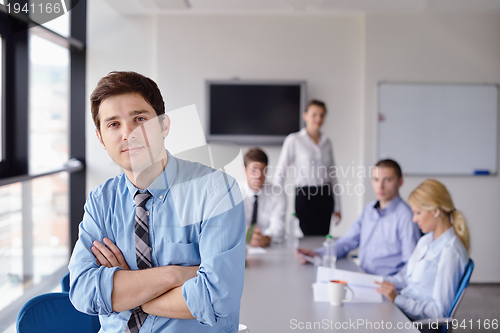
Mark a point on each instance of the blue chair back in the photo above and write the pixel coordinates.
(460, 293)
(65, 283)
(461, 288)
(54, 313)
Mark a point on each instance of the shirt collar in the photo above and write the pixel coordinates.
(251, 192)
(159, 188)
(390, 207)
(322, 138)
(437, 244)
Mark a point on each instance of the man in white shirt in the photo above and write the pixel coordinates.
(265, 203)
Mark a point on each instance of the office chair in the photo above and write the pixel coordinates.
(65, 283)
(456, 302)
(54, 313)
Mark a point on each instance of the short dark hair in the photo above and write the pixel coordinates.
(119, 83)
(255, 155)
(317, 103)
(390, 164)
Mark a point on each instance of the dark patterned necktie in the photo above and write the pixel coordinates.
(254, 214)
(142, 254)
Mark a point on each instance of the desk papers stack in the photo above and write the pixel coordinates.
(363, 285)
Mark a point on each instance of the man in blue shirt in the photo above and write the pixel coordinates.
(194, 220)
(384, 233)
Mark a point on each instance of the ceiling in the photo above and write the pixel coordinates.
(152, 7)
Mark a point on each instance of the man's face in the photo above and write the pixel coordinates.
(131, 132)
(385, 183)
(256, 174)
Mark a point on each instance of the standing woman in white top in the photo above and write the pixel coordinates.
(438, 263)
(307, 156)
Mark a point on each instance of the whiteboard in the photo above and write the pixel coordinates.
(439, 129)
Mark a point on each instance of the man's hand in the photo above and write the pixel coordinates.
(111, 256)
(108, 255)
(300, 252)
(155, 282)
(258, 239)
(388, 290)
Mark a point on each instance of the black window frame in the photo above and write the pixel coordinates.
(15, 111)
(14, 166)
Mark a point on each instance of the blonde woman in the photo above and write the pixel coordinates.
(438, 263)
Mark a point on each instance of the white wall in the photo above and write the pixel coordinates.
(327, 52)
(341, 57)
(435, 47)
(114, 43)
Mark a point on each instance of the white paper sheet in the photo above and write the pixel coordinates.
(326, 274)
(251, 250)
(361, 294)
(363, 285)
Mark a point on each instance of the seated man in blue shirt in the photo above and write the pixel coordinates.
(384, 232)
(161, 247)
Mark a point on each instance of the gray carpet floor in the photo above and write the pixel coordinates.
(481, 302)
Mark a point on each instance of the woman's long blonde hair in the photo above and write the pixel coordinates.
(431, 195)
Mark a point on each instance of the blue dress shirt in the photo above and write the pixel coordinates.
(433, 274)
(386, 238)
(196, 217)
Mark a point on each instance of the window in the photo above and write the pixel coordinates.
(50, 228)
(34, 235)
(10, 244)
(48, 105)
(41, 129)
(60, 25)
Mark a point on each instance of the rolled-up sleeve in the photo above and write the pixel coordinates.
(216, 291)
(91, 285)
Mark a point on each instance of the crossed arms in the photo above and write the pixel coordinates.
(108, 287)
(162, 295)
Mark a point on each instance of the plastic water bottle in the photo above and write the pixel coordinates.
(330, 253)
(293, 233)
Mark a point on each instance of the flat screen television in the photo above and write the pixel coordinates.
(254, 112)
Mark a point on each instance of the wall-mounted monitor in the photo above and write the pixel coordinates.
(253, 112)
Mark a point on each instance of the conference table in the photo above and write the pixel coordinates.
(278, 297)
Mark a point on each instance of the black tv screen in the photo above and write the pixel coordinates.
(254, 113)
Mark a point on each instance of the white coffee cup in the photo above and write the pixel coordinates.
(243, 329)
(337, 290)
